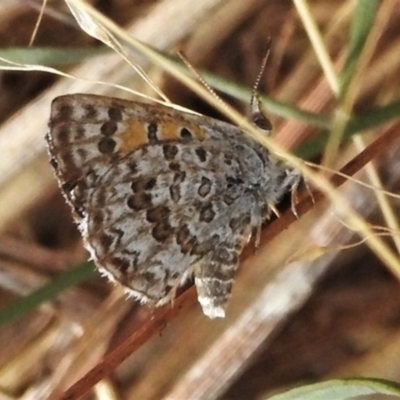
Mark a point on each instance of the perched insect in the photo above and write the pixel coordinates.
(162, 195)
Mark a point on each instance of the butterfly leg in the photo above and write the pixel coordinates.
(291, 183)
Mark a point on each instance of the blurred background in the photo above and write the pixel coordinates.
(307, 306)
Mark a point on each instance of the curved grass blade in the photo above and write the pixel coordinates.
(340, 389)
(372, 119)
(47, 292)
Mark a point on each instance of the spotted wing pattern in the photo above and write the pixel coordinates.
(161, 195)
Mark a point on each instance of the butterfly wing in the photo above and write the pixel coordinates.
(89, 134)
(158, 194)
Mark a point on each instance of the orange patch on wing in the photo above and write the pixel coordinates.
(170, 130)
(134, 136)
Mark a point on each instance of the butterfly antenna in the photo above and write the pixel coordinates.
(257, 116)
(202, 80)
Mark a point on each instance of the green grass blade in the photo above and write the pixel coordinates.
(364, 17)
(50, 55)
(372, 119)
(340, 389)
(276, 107)
(47, 292)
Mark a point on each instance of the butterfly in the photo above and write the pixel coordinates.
(160, 195)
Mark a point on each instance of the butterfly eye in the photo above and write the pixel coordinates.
(261, 121)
